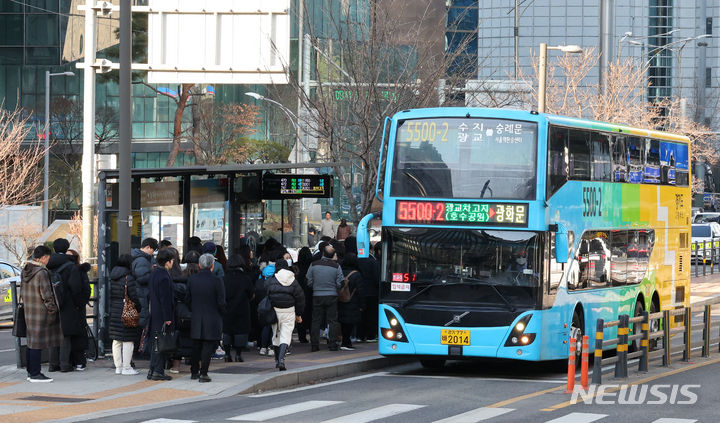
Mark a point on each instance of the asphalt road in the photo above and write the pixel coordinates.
(7, 348)
(463, 392)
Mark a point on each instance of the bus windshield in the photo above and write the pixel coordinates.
(508, 261)
(465, 158)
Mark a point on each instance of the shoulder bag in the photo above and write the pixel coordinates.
(344, 294)
(166, 341)
(130, 317)
(19, 323)
(266, 312)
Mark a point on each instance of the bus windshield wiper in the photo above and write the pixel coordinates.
(487, 283)
(421, 291)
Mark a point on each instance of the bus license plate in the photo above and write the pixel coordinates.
(454, 337)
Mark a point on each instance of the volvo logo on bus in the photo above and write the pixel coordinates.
(456, 318)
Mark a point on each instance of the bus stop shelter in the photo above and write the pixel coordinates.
(222, 204)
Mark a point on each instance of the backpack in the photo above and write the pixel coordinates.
(57, 281)
(344, 294)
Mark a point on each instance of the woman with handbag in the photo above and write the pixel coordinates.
(124, 304)
(162, 314)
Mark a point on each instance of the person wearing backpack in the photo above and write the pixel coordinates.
(69, 289)
(349, 300)
(288, 300)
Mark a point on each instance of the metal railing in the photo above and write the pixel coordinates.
(664, 335)
(705, 254)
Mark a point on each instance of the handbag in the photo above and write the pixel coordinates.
(19, 323)
(130, 317)
(344, 294)
(266, 312)
(166, 341)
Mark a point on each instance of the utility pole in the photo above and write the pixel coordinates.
(607, 28)
(88, 157)
(124, 220)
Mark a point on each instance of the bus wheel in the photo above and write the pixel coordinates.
(576, 334)
(434, 363)
(637, 327)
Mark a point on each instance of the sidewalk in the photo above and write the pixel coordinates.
(98, 391)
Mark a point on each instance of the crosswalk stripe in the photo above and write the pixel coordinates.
(375, 413)
(671, 420)
(578, 418)
(169, 421)
(285, 410)
(476, 415)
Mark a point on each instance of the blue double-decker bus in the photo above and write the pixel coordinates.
(507, 233)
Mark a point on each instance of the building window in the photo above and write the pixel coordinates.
(708, 77)
(461, 37)
(708, 25)
(660, 69)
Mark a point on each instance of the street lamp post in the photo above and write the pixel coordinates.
(298, 219)
(46, 176)
(542, 70)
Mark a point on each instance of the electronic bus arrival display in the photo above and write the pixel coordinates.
(461, 213)
(280, 187)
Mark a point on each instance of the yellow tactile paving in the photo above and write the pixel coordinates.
(60, 411)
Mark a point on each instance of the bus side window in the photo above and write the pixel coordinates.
(579, 151)
(600, 157)
(557, 159)
(636, 159)
(652, 162)
(619, 159)
(618, 257)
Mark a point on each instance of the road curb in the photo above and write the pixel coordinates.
(321, 372)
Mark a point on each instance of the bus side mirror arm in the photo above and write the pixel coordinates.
(561, 243)
(363, 236)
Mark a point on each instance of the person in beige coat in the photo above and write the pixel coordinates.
(41, 312)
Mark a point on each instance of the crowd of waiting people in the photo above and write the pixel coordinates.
(211, 301)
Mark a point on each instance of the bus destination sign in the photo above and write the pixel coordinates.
(279, 187)
(461, 213)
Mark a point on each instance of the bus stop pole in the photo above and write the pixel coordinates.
(282, 222)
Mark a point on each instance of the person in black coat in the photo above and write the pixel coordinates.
(239, 290)
(206, 300)
(305, 259)
(162, 310)
(349, 313)
(182, 313)
(368, 329)
(72, 298)
(123, 337)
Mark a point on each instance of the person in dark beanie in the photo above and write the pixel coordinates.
(41, 312)
(142, 265)
(71, 299)
(325, 277)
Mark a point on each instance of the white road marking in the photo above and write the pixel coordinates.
(318, 385)
(285, 410)
(578, 418)
(375, 413)
(476, 415)
(671, 420)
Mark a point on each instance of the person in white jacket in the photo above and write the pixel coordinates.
(288, 300)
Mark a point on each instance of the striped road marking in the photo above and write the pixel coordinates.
(578, 418)
(285, 410)
(667, 420)
(476, 415)
(376, 413)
